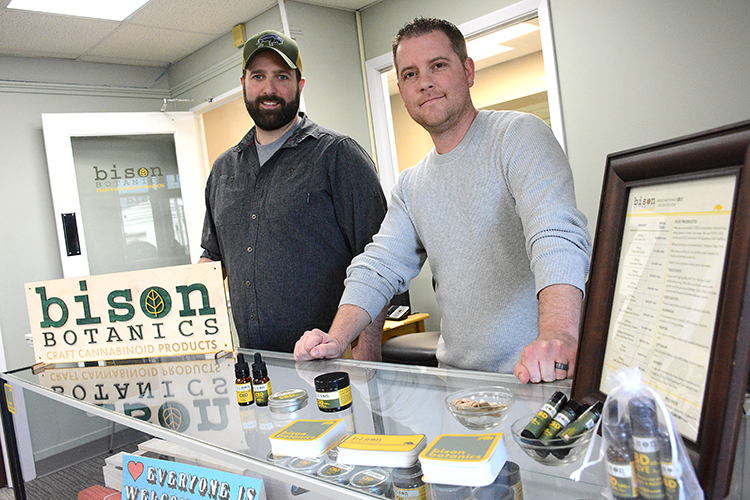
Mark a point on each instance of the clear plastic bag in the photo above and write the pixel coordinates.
(641, 447)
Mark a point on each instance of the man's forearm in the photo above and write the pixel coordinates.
(349, 322)
(552, 356)
(560, 310)
(368, 345)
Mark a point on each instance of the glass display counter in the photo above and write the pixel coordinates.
(192, 406)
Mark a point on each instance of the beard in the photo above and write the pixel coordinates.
(275, 119)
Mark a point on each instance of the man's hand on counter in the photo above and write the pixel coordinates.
(317, 344)
(538, 359)
(552, 355)
(349, 322)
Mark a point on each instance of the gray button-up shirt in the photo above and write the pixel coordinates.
(286, 232)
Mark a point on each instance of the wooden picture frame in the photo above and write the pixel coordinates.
(711, 154)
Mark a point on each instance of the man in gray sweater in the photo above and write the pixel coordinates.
(493, 207)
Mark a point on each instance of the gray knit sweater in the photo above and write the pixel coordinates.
(497, 218)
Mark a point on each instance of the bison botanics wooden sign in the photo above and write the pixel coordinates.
(169, 311)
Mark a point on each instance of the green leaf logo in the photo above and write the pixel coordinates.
(174, 416)
(155, 302)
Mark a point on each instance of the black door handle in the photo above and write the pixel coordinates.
(70, 231)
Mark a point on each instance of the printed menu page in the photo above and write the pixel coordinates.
(667, 290)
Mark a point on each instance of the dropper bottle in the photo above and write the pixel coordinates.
(261, 382)
(243, 383)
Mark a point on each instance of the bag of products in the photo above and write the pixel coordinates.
(642, 449)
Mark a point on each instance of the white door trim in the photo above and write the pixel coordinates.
(60, 127)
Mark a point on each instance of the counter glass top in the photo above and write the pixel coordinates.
(193, 403)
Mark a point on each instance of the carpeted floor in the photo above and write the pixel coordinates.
(66, 483)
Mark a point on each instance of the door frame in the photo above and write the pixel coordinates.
(58, 130)
(385, 143)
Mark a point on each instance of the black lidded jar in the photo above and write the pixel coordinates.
(333, 391)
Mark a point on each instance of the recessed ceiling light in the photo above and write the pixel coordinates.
(490, 44)
(97, 9)
(479, 52)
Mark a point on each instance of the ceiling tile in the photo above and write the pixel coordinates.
(203, 16)
(150, 44)
(158, 34)
(48, 35)
(343, 4)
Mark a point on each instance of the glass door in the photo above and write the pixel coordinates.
(127, 190)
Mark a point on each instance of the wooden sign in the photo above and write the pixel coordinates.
(162, 312)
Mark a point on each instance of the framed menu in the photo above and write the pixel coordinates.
(668, 287)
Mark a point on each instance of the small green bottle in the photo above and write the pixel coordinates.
(570, 434)
(620, 462)
(586, 421)
(564, 417)
(545, 414)
(671, 470)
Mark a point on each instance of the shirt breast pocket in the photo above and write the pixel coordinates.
(233, 197)
(289, 204)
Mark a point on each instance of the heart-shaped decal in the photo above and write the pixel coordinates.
(135, 469)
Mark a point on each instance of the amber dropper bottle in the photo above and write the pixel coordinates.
(243, 383)
(261, 382)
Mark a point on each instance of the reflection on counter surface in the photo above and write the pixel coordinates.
(193, 404)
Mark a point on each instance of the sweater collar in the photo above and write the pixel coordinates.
(460, 149)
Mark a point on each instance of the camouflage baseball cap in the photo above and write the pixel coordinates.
(273, 40)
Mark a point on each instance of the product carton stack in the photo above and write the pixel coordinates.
(113, 469)
(169, 451)
(98, 492)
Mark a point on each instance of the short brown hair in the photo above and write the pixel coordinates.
(424, 25)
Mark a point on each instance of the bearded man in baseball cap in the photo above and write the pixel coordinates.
(288, 208)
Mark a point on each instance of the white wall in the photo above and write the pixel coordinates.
(29, 240)
(333, 93)
(635, 73)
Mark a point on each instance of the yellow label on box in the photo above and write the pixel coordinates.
(377, 442)
(10, 399)
(305, 430)
(462, 447)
